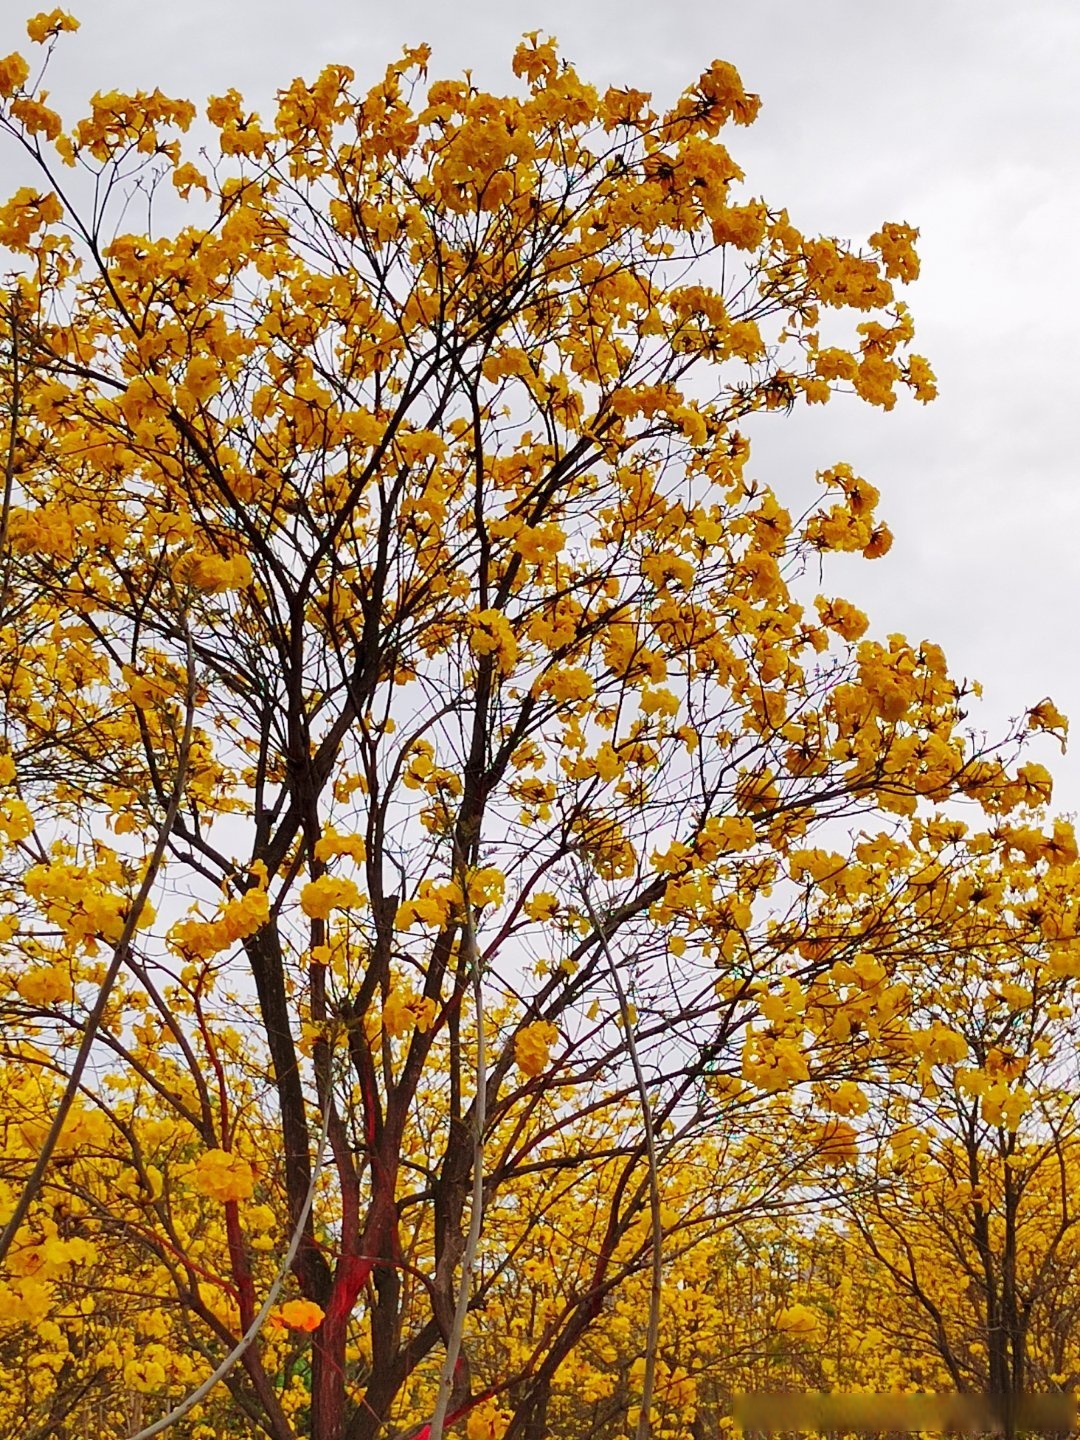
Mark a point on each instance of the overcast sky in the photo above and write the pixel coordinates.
(962, 118)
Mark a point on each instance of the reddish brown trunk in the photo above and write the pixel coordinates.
(328, 1391)
(328, 1359)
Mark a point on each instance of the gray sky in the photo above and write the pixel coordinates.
(960, 117)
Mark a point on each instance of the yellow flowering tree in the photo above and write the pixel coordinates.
(965, 1197)
(410, 463)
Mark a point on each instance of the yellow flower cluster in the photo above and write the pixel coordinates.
(532, 1047)
(223, 1175)
(215, 574)
(320, 897)
(490, 633)
(303, 1315)
(238, 920)
(403, 1011)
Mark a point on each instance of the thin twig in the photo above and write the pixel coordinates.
(652, 1335)
(12, 445)
(476, 1214)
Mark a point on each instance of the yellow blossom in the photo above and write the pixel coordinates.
(330, 892)
(532, 1047)
(223, 1175)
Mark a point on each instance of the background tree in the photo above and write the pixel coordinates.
(971, 1208)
